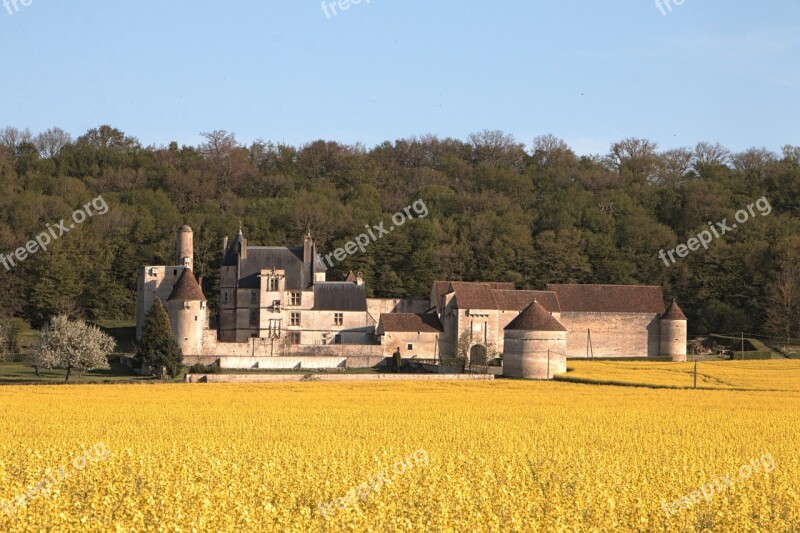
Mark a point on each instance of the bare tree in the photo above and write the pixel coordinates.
(783, 313)
(51, 142)
(550, 151)
(495, 146)
(636, 156)
(11, 137)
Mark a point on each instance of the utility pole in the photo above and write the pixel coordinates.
(743, 346)
(548, 364)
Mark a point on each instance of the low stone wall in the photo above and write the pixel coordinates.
(268, 378)
(283, 363)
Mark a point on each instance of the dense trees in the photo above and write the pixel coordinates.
(499, 210)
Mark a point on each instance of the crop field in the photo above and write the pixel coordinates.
(771, 375)
(406, 456)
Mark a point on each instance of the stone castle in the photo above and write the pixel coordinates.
(278, 310)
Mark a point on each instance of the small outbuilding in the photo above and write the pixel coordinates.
(535, 345)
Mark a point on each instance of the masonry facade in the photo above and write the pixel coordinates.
(277, 302)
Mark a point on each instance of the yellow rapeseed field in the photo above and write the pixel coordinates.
(404, 456)
(772, 375)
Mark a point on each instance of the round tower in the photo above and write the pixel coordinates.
(188, 313)
(535, 345)
(673, 333)
(184, 247)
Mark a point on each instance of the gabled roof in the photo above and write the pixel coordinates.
(351, 277)
(519, 300)
(609, 298)
(187, 289)
(443, 287)
(473, 295)
(674, 312)
(535, 318)
(339, 296)
(409, 322)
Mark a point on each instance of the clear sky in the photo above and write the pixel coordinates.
(589, 71)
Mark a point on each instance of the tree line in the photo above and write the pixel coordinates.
(500, 210)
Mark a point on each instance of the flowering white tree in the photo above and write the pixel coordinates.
(72, 345)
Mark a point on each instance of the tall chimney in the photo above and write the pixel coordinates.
(308, 248)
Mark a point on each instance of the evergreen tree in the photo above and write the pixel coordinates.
(158, 348)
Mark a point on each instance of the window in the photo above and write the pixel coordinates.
(338, 319)
(224, 297)
(254, 297)
(295, 298)
(337, 339)
(293, 337)
(274, 328)
(410, 346)
(273, 284)
(254, 317)
(294, 319)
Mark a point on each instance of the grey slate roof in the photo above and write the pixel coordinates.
(298, 274)
(339, 296)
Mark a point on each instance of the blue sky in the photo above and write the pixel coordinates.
(590, 72)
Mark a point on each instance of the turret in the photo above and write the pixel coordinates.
(188, 313)
(673, 333)
(184, 247)
(535, 345)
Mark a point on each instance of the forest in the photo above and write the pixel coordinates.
(500, 210)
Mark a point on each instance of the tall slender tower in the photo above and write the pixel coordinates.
(673, 333)
(188, 313)
(184, 247)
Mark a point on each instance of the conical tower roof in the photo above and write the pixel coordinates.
(187, 289)
(673, 312)
(535, 318)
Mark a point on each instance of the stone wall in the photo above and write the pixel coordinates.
(424, 344)
(266, 378)
(153, 282)
(613, 334)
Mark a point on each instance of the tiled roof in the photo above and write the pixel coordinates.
(425, 322)
(674, 312)
(187, 289)
(609, 298)
(339, 296)
(518, 300)
(535, 318)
